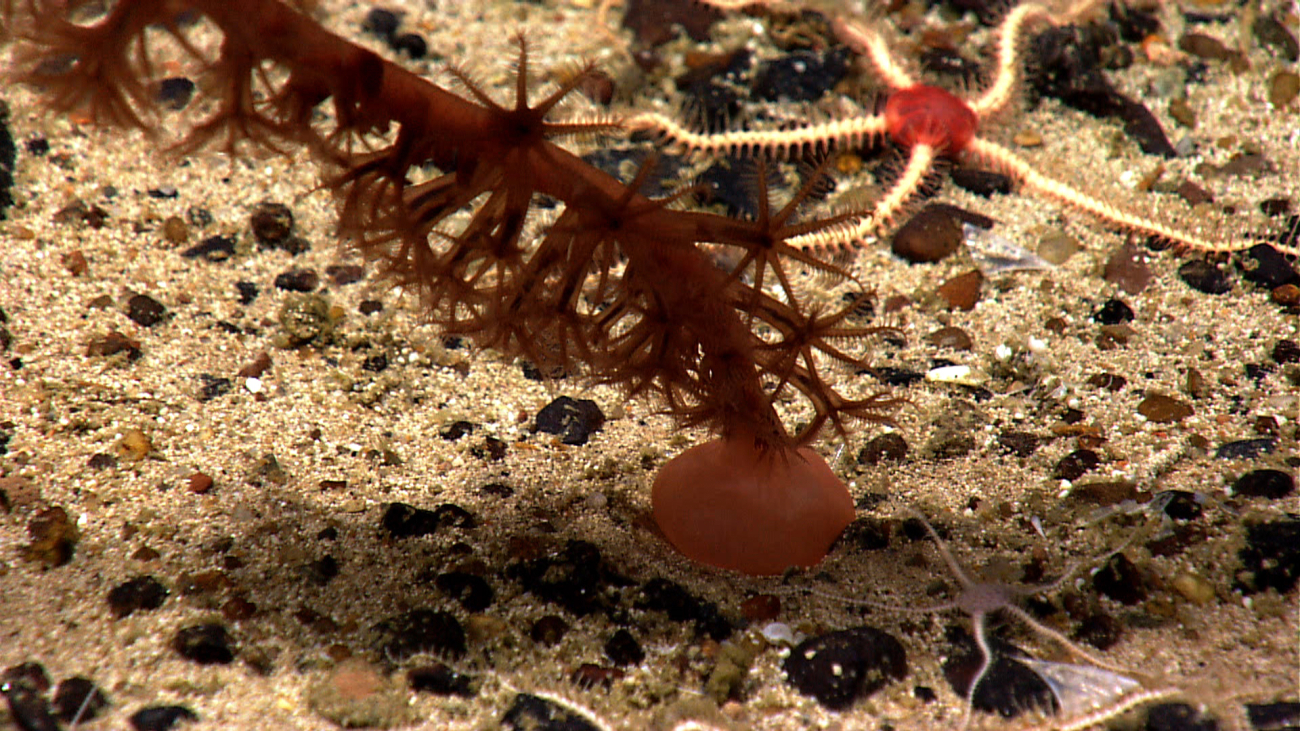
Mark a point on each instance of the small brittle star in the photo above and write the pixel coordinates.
(930, 124)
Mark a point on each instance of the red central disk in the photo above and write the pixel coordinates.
(932, 116)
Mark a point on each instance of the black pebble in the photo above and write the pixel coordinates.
(1113, 312)
(381, 22)
(530, 713)
(1203, 276)
(891, 447)
(473, 592)
(456, 430)
(1271, 557)
(248, 292)
(573, 419)
(1246, 448)
(29, 675)
(1271, 484)
(1019, 443)
(622, 649)
(1076, 464)
(1274, 716)
(272, 224)
(417, 631)
(214, 386)
(175, 92)
(867, 534)
(412, 44)
(1266, 266)
(1178, 717)
(440, 680)
(375, 363)
(298, 280)
(8, 158)
(1008, 688)
(323, 570)
(549, 630)
(662, 595)
(140, 593)
(77, 700)
(145, 311)
(213, 248)
(206, 644)
(36, 146)
(841, 667)
(803, 75)
(1100, 630)
(370, 307)
(29, 709)
(1121, 580)
(407, 521)
(573, 578)
(161, 718)
(930, 235)
(985, 183)
(1286, 351)
(1181, 505)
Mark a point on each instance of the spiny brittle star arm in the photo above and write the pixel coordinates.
(1012, 164)
(815, 138)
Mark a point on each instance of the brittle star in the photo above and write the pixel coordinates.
(930, 124)
(980, 600)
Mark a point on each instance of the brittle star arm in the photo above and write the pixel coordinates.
(1012, 164)
(871, 44)
(815, 138)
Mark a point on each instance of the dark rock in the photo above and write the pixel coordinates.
(1019, 443)
(29, 675)
(1008, 688)
(145, 311)
(1180, 504)
(890, 447)
(986, 183)
(440, 680)
(622, 649)
(381, 22)
(214, 386)
(1279, 716)
(662, 595)
(1109, 381)
(407, 521)
(1265, 266)
(1162, 409)
(840, 667)
(1113, 312)
(1285, 351)
(213, 248)
(248, 292)
(161, 718)
(1271, 484)
(1203, 276)
(323, 570)
(375, 363)
(803, 75)
(175, 92)
(930, 235)
(417, 631)
(298, 280)
(456, 430)
(272, 224)
(1271, 557)
(28, 708)
(573, 420)
(1269, 30)
(370, 307)
(1128, 269)
(473, 592)
(142, 593)
(530, 713)
(590, 675)
(575, 578)
(1121, 580)
(548, 630)
(77, 700)
(867, 534)
(1178, 717)
(113, 343)
(962, 292)
(54, 537)
(1246, 448)
(412, 44)
(206, 644)
(950, 337)
(1100, 630)
(342, 275)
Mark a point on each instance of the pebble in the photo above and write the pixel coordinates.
(133, 446)
(1057, 247)
(272, 224)
(28, 707)
(803, 75)
(161, 718)
(1112, 382)
(962, 292)
(530, 713)
(419, 631)
(145, 311)
(890, 446)
(1271, 30)
(549, 630)
(1270, 558)
(214, 386)
(54, 537)
(1162, 409)
(1283, 87)
(213, 249)
(1181, 505)
(1246, 448)
(761, 608)
(1179, 717)
(298, 280)
(841, 667)
(114, 343)
(1203, 276)
(247, 292)
(1266, 483)
(930, 235)
(1008, 688)
(574, 578)
(950, 337)
(175, 92)
(1193, 587)
(663, 595)
(358, 695)
(77, 700)
(1285, 351)
(1121, 580)
(143, 593)
(1113, 312)
(574, 420)
(1278, 716)
(381, 22)
(1128, 269)
(412, 44)
(1019, 443)
(622, 649)
(206, 644)
(440, 679)
(1267, 267)
(473, 592)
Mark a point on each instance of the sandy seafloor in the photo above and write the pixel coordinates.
(324, 418)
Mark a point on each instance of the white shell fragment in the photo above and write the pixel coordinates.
(1081, 689)
(962, 375)
(995, 254)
